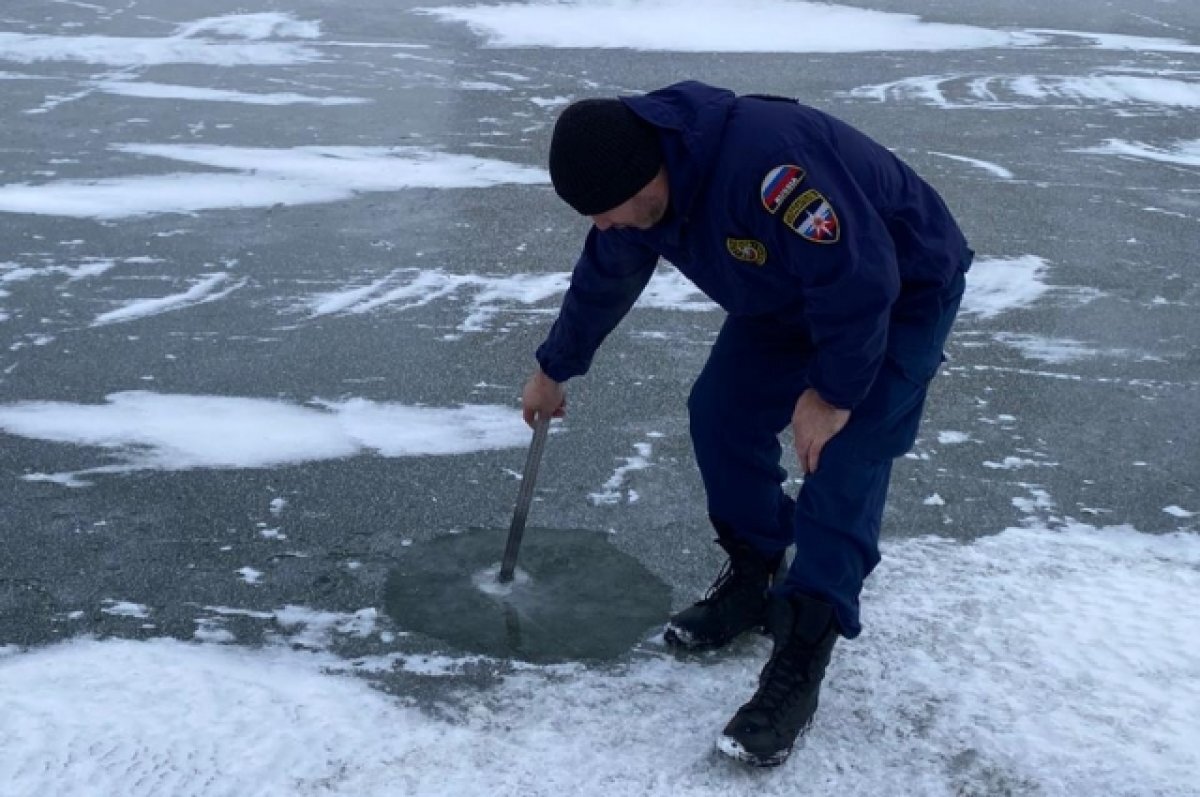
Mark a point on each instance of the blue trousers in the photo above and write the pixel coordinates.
(744, 398)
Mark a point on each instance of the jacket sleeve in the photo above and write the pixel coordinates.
(608, 278)
(850, 279)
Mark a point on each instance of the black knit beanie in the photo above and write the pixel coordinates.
(601, 154)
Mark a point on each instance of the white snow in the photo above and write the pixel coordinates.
(989, 167)
(1117, 41)
(550, 102)
(313, 628)
(88, 267)
(1037, 660)
(166, 91)
(187, 45)
(303, 626)
(762, 26)
(1183, 153)
(210, 630)
(125, 609)
(611, 492)
(264, 177)
(202, 292)
(1052, 350)
(1178, 511)
(950, 438)
(410, 287)
(488, 581)
(482, 85)
(1007, 92)
(265, 25)
(996, 285)
(250, 575)
(670, 290)
(1016, 463)
(155, 431)
(486, 296)
(1038, 500)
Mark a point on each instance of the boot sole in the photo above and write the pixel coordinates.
(734, 749)
(678, 637)
(682, 638)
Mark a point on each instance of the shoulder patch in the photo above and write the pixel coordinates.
(779, 184)
(747, 249)
(812, 218)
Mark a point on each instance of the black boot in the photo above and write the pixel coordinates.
(735, 603)
(763, 731)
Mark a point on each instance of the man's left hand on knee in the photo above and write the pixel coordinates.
(814, 423)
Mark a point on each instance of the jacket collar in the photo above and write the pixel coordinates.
(691, 118)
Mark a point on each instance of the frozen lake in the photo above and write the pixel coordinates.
(271, 278)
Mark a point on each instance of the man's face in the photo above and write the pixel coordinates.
(642, 211)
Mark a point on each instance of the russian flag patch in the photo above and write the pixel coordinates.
(779, 184)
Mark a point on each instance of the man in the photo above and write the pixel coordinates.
(841, 272)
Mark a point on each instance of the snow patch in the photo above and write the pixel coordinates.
(487, 296)
(250, 575)
(186, 46)
(314, 629)
(1008, 92)
(264, 177)
(202, 292)
(997, 285)
(1183, 153)
(125, 609)
(151, 431)
(987, 166)
(164, 91)
(759, 26)
(1052, 350)
(611, 492)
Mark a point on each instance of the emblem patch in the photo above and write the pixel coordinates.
(779, 184)
(812, 217)
(747, 249)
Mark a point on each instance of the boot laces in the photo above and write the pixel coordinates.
(784, 673)
(718, 586)
(730, 580)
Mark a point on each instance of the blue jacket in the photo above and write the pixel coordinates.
(780, 212)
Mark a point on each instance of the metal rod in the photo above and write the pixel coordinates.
(524, 496)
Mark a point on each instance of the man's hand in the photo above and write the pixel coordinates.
(814, 423)
(542, 398)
